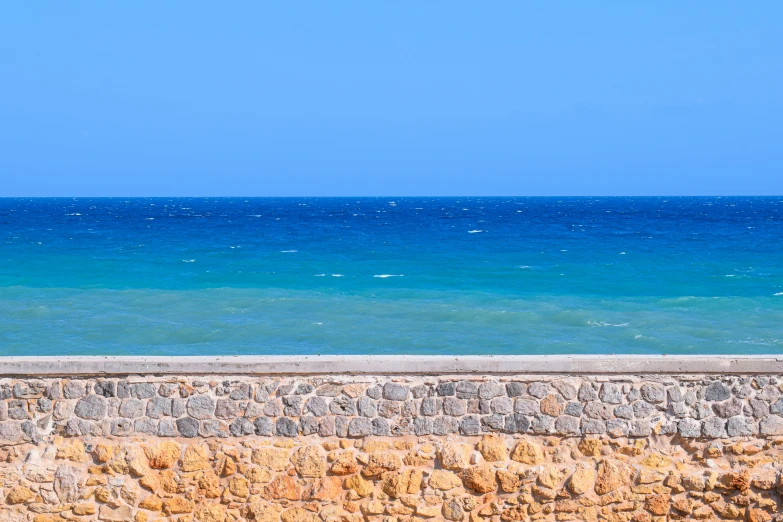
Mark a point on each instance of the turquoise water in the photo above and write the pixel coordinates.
(391, 275)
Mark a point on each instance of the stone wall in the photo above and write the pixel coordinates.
(391, 448)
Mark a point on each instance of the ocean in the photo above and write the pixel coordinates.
(361, 275)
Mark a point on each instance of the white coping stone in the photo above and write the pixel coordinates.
(392, 365)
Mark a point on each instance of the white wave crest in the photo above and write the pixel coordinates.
(602, 323)
(474, 231)
(384, 276)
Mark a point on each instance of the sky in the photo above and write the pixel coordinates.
(403, 98)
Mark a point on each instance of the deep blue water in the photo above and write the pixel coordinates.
(391, 275)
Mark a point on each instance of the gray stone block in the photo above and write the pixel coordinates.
(689, 428)
(131, 408)
(91, 407)
(201, 407)
(187, 427)
(717, 391)
(714, 428)
(395, 392)
(653, 393)
(286, 427)
(610, 393)
(359, 427)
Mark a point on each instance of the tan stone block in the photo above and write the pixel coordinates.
(103, 452)
(379, 463)
(209, 484)
(397, 484)
(611, 475)
(102, 494)
(238, 486)
(258, 475)
(455, 456)
(85, 508)
(758, 515)
(195, 458)
(298, 515)
(309, 461)
(211, 513)
(374, 507)
(551, 476)
(73, 452)
(528, 453)
(151, 503)
(492, 447)
(275, 459)
(657, 504)
(19, 495)
(376, 446)
(163, 455)
(480, 479)
(45, 518)
(284, 486)
(516, 513)
(264, 511)
(550, 406)
(590, 447)
(726, 510)
(397, 509)
(326, 488)
(649, 476)
(95, 481)
(581, 481)
(657, 461)
(120, 514)
(150, 481)
(169, 481)
(358, 485)
(345, 464)
(444, 480)
(176, 506)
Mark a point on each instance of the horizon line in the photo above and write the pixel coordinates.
(410, 197)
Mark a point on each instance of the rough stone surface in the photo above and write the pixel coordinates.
(361, 449)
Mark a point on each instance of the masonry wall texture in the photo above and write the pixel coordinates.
(362, 448)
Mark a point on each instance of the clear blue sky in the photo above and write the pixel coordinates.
(258, 98)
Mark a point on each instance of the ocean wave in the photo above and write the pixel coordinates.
(600, 324)
(338, 275)
(188, 260)
(779, 293)
(383, 276)
(319, 275)
(74, 214)
(474, 231)
(288, 251)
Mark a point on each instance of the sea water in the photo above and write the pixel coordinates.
(360, 275)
